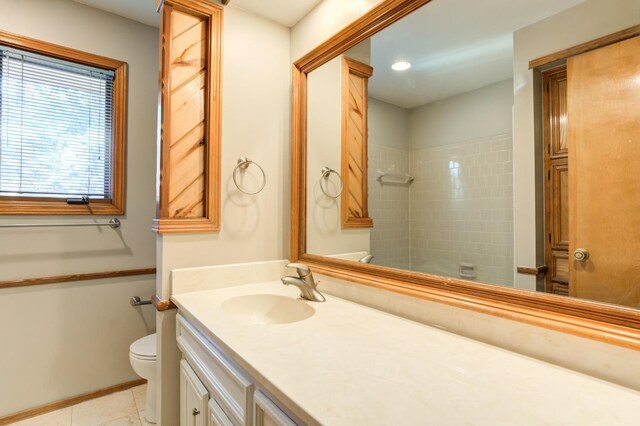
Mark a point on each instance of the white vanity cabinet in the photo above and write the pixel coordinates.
(194, 398)
(220, 391)
(217, 416)
(267, 413)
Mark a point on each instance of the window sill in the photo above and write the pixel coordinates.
(59, 207)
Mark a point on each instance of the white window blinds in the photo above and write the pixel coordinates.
(56, 126)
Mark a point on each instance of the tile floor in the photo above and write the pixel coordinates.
(124, 408)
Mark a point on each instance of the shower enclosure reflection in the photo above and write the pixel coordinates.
(456, 217)
(441, 136)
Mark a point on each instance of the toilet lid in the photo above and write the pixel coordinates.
(144, 347)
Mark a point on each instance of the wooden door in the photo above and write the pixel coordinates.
(556, 172)
(604, 173)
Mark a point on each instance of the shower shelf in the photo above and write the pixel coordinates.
(395, 178)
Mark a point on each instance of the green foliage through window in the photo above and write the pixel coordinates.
(56, 127)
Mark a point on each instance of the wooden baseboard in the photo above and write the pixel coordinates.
(32, 412)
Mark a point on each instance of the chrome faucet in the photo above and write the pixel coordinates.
(366, 259)
(305, 282)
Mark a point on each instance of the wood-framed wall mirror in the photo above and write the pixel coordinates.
(488, 182)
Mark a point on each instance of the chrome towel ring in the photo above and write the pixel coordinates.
(242, 164)
(326, 171)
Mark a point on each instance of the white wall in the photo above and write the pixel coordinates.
(582, 23)
(388, 125)
(324, 21)
(482, 112)
(256, 87)
(255, 124)
(325, 235)
(66, 339)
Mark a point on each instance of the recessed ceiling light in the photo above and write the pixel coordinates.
(401, 66)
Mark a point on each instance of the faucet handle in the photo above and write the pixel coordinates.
(303, 270)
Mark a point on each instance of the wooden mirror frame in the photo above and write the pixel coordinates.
(612, 324)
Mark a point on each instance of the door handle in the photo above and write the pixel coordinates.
(580, 254)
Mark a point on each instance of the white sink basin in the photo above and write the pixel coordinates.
(267, 309)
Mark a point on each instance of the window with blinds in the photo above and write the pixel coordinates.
(62, 129)
(56, 127)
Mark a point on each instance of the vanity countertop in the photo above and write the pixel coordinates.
(352, 365)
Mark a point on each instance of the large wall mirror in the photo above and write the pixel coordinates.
(501, 143)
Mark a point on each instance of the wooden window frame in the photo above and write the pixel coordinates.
(57, 206)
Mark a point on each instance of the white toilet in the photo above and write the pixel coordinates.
(142, 354)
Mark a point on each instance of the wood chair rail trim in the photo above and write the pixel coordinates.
(611, 324)
(26, 282)
(529, 270)
(68, 402)
(162, 304)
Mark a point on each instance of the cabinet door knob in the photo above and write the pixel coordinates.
(581, 254)
(195, 412)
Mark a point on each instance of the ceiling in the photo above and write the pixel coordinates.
(284, 12)
(139, 10)
(451, 52)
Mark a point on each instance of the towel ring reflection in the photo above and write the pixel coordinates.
(243, 164)
(326, 171)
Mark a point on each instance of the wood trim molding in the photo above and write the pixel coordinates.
(189, 186)
(580, 320)
(56, 206)
(75, 277)
(585, 47)
(354, 200)
(611, 324)
(380, 17)
(68, 402)
(528, 270)
(162, 304)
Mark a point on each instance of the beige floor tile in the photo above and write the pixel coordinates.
(140, 396)
(132, 420)
(104, 409)
(144, 421)
(55, 418)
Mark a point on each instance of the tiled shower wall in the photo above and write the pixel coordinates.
(389, 207)
(461, 209)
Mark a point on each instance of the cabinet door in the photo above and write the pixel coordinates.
(267, 413)
(217, 416)
(193, 398)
